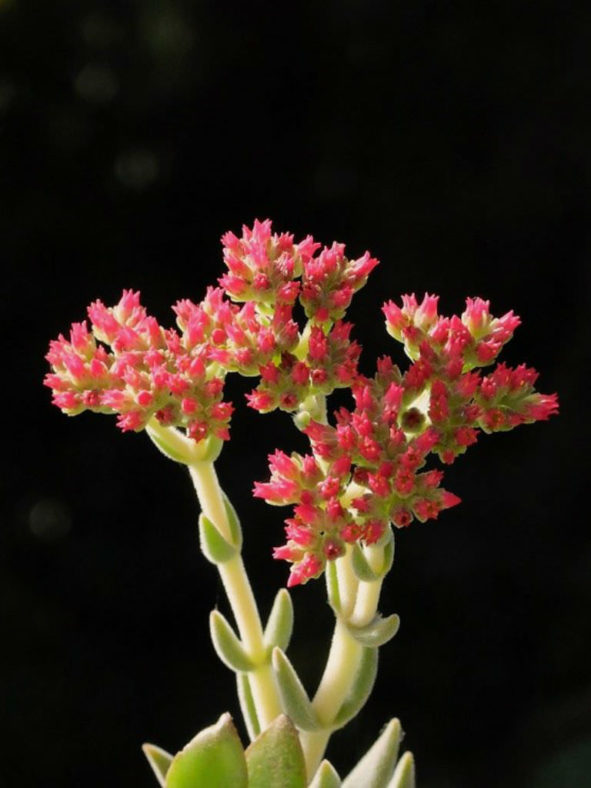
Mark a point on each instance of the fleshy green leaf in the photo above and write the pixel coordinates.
(276, 757)
(234, 524)
(227, 644)
(213, 545)
(294, 698)
(326, 777)
(214, 758)
(404, 776)
(247, 706)
(280, 624)
(159, 760)
(375, 769)
(360, 689)
(377, 632)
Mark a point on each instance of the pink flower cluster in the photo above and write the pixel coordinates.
(129, 365)
(368, 469)
(365, 470)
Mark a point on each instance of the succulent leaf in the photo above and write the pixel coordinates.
(404, 776)
(280, 624)
(234, 523)
(213, 545)
(361, 566)
(294, 698)
(375, 769)
(276, 757)
(214, 758)
(377, 632)
(326, 777)
(167, 448)
(227, 644)
(159, 760)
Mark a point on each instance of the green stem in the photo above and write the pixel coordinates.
(368, 593)
(359, 601)
(240, 595)
(341, 666)
(199, 458)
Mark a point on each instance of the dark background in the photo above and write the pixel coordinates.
(453, 141)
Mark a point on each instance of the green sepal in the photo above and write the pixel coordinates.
(214, 758)
(375, 769)
(326, 777)
(233, 523)
(404, 776)
(227, 644)
(159, 760)
(213, 545)
(294, 698)
(280, 622)
(332, 587)
(377, 632)
(276, 757)
(247, 706)
(360, 689)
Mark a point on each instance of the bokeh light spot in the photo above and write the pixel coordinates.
(49, 520)
(97, 83)
(137, 168)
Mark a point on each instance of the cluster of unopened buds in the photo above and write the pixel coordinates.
(278, 314)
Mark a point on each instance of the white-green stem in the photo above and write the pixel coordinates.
(368, 593)
(240, 595)
(199, 458)
(361, 601)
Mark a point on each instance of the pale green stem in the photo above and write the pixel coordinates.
(344, 657)
(366, 603)
(240, 595)
(368, 593)
(210, 496)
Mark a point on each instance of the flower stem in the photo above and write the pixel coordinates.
(341, 666)
(361, 601)
(240, 595)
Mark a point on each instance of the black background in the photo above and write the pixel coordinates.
(453, 141)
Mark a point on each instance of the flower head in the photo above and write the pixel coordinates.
(128, 365)
(263, 266)
(374, 457)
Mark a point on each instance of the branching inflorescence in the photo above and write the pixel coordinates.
(368, 466)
